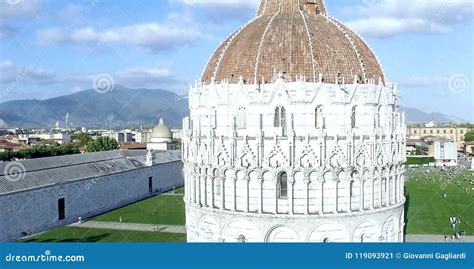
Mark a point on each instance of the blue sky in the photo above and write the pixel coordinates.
(55, 47)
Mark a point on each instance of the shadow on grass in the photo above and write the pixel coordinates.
(90, 239)
(407, 207)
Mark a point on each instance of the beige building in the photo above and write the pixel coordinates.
(469, 148)
(450, 132)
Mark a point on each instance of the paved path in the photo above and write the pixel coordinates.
(172, 194)
(130, 226)
(413, 238)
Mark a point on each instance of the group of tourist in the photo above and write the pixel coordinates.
(457, 236)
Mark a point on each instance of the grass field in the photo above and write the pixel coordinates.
(75, 234)
(428, 211)
(163, 209)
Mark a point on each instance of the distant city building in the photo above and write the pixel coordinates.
(35, 138)
(117, 136)
(445, 153)
(443, 150)
(140, 136)
(469, 148)
(294, 135)
(451, 132)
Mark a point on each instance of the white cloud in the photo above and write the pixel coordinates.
(14, 75)
(386, 27)
(392, 17)
(152, 36)
(424, 82)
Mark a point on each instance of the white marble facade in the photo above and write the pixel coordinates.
(294, 161)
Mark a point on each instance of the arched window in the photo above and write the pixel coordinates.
(242, 118)
(283, 120)
(280, 119)
(217, 182)
(319, 117)
(277, 117)
(379, 117)
(282, 185)
(351, 189)
(354, 117)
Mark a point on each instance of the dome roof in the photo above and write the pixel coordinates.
(293, 38)
(161, 131)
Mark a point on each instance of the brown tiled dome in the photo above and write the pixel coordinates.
(293, 38)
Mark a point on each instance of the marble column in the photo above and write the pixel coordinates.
(321, 205)
(380, 192)
(291, 182)
(213, 192)
(306, 196)
(260, 195)
(247, 194)
(222, 193)
(372, 196)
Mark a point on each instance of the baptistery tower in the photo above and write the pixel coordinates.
(294, 135)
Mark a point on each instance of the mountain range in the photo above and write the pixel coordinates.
(119, 107)
(122, 107)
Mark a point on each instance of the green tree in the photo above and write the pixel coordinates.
(82, 139)
(102, 143)
(418, 151)
(469, 136)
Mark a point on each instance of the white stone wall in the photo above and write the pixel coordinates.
(340, 165)
(214, 225)
(37, 210)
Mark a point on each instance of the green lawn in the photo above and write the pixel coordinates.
(428, 211)
(75, 234)
(420, 160)
(163, 209)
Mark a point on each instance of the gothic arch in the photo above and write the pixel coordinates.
(366, 231)
(237, 227)
(281, 234)
(389, 230)
(332, 230)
